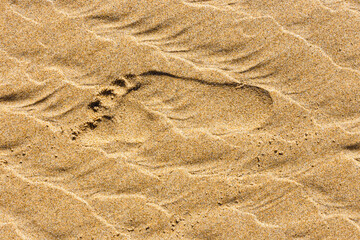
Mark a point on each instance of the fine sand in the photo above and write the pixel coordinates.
(179, 119)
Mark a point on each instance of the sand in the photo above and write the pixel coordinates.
(179, 119)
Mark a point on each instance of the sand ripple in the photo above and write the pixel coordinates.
(179, 119)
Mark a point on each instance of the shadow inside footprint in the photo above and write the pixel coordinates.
(353, 147)
(119, 82)
(108, 117)
(130, 76)
(135, 87)
(91, 125)
(107, 92)
(95, 105)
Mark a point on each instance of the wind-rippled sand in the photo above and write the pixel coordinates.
(175, 119)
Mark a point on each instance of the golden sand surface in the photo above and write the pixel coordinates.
(179, 119)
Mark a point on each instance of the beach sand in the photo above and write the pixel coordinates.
(179, 119)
